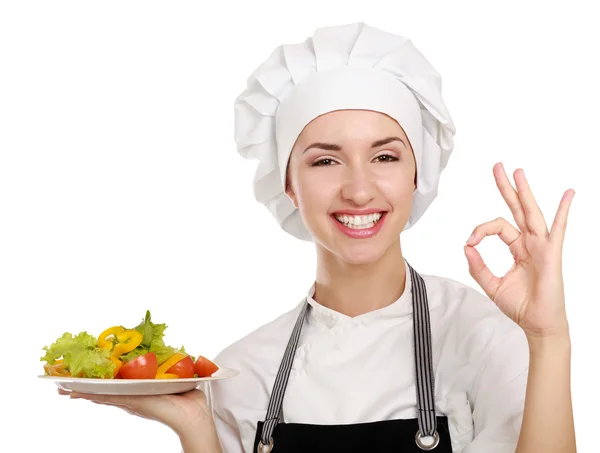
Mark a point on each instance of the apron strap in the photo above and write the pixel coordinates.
(423, 364)
(278, 392)
(423, 360)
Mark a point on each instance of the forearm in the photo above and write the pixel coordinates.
(548, 414)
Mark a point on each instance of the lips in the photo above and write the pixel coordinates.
(358, 211)
(363, 226)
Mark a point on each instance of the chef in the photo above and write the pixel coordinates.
(351, 134)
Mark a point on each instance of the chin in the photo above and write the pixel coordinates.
(357, 258)
(354, 252)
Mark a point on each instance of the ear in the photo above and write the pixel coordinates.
(415, 181)
(291, 194)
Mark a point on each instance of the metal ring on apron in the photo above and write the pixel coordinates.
(261, 446)
(422, 446)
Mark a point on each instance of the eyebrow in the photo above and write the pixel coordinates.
(334, 147)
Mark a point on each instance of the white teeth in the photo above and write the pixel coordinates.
(359, 221)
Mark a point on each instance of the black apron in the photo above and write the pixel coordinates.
(428, 432)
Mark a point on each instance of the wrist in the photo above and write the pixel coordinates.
(557, 342)
(199, 436)
(200, 441)
(197, 444)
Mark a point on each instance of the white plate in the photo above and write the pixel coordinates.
(136, 386)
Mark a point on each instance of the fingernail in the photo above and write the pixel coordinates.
(471, 239)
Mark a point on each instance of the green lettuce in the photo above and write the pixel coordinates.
(152, 333)
(81, 354)
(152, 341)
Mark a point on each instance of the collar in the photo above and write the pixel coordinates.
(330, 318)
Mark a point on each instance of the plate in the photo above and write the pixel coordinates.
(136, 386)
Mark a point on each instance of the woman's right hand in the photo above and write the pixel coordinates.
(187, 414)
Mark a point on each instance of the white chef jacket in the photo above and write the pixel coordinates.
(361, 369)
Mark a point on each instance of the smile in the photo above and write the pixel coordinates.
(359, 226)
(359, 222)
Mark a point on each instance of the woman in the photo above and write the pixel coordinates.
(352, 134)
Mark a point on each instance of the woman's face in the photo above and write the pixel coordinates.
(352, 176)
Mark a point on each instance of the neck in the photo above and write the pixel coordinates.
(353, 289)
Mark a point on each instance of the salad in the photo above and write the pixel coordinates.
(123, 353)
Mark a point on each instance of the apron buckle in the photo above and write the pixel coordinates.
(261, 446)
(423, 446)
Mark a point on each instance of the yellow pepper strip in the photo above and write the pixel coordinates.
(167, 376)
(177, 357)
(127, 342)
(58, 369)
(118, 365)
(103, 340)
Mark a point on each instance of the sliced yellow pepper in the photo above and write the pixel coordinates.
(127, 342)
(177, 357)
(119, 341)
(104, 340)
(167, 376)
(118, 365)
(58, 369)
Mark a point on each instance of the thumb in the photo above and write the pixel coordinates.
(480, 272)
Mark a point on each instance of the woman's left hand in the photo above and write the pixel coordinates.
(531, 293)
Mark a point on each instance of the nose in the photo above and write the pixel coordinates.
(359, 186)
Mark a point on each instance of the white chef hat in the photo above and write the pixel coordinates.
(343, 67)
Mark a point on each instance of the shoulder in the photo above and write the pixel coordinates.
(257, 357)
(261, 343)
(238, 403)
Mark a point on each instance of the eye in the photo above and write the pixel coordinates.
(386, 158)
(323, 162)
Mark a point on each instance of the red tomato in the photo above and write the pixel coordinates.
(142, 367)
(204, 367)
(184, 368)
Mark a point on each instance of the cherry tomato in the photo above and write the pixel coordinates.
(204, 367)
(184, 368)
(142, 367)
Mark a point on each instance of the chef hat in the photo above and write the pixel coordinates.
(344, 67)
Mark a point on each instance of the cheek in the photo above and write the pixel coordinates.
(315, 188)
(397, 187)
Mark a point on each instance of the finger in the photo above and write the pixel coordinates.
(481, 273)
(500, 227)
(533, 214)
(510, 196)
(559, 226)
(63, 392)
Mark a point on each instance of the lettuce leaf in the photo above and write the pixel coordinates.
(81, 355)
(152, 341)
(151, 332)
(91, 362)
(68, 343)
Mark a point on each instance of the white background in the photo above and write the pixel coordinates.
(121, 189)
